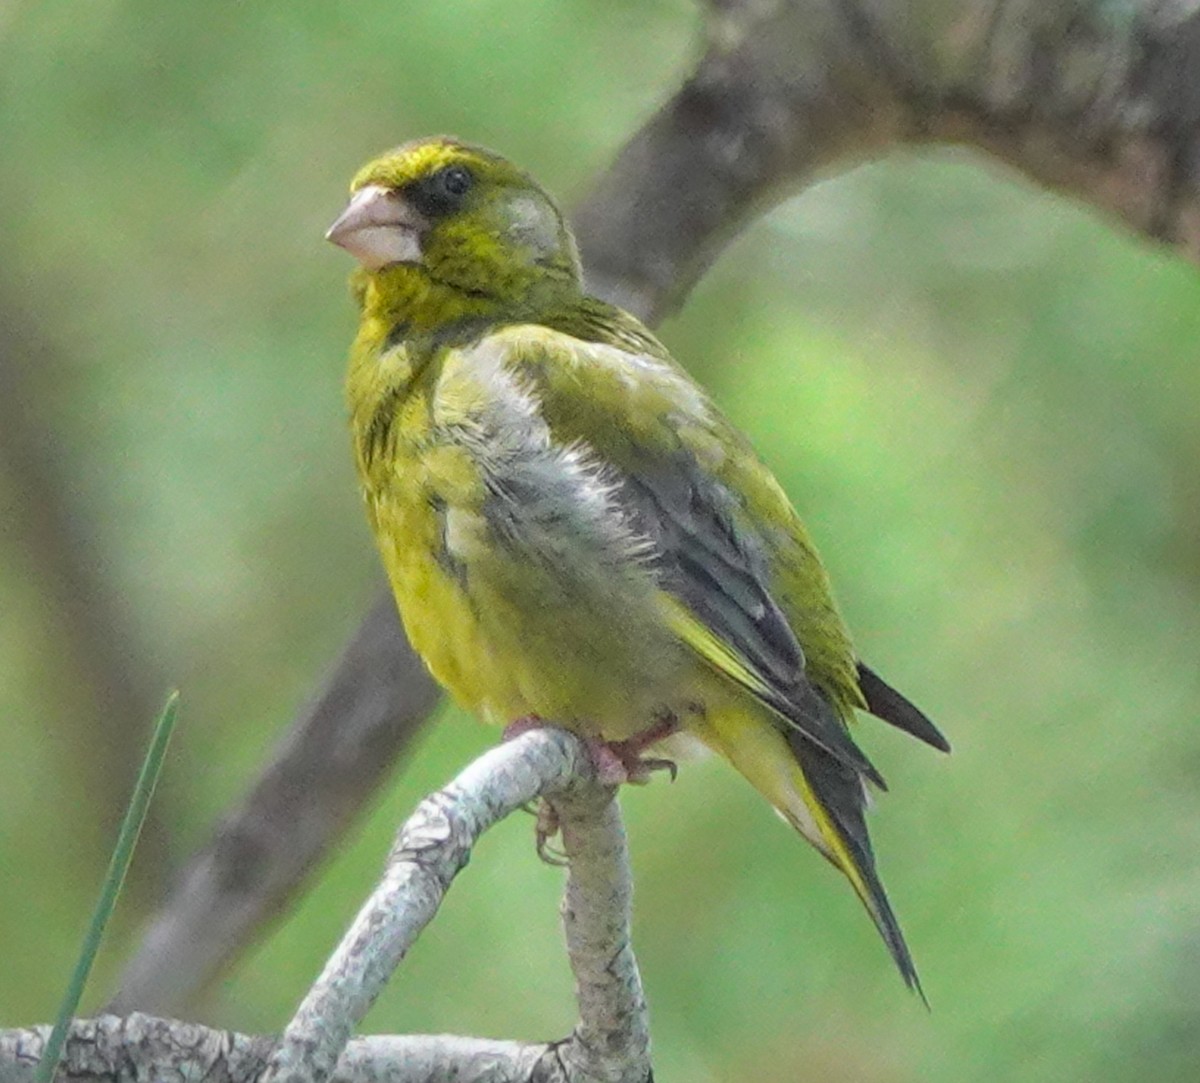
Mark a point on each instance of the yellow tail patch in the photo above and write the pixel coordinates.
(762, 755)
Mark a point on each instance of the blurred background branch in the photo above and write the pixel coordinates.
(343, 745)
(107, 703)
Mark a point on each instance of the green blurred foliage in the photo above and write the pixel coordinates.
(982, 399)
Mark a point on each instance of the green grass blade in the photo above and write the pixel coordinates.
(118, 866)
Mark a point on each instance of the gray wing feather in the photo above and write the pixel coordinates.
(719, 571)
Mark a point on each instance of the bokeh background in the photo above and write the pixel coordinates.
(982, 398)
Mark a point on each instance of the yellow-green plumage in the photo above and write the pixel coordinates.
(572, 529)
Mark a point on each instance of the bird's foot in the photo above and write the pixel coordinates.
(547, 819)
(620, 762)
(522, 725)
(547, 828)
(617, 762)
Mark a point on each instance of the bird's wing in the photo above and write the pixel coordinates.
(717, 599)
(652, 428)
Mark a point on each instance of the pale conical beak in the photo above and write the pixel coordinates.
(378, 228)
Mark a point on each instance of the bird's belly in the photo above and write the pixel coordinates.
(510, 640)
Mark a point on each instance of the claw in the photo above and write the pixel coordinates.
(620, 762)
(547, 828)
(649, 766)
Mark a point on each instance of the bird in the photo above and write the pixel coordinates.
(574, 533)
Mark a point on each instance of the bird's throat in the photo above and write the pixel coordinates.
(404, 295)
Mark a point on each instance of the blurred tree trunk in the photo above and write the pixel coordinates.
(105, 701)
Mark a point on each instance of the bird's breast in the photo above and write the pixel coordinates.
(520, 581)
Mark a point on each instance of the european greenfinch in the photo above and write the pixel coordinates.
(573, 531)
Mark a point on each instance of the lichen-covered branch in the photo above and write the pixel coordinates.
(611, 1043)
(146, 1049)
(612, 1040)
(1093, 98)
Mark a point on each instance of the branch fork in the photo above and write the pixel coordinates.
(610, 1044)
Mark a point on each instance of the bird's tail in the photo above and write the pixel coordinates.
(823, 800)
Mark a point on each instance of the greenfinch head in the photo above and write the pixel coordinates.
(461, 218)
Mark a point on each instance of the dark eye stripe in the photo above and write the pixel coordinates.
(440, 192)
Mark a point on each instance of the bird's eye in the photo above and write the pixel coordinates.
(456, 180)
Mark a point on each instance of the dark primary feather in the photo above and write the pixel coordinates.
(884, 702)
(720, 574)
